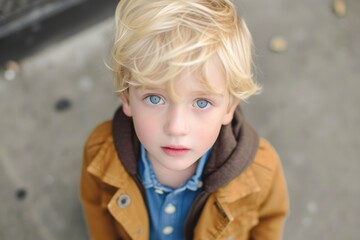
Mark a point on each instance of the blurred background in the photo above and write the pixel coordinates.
(55, 88)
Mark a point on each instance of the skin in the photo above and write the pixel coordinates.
(177, 133)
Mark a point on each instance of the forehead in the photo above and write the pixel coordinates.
(209, 80)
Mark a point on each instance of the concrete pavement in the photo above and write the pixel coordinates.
(308, 110)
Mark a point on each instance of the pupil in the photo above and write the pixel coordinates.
(154, 99)
(201, 103)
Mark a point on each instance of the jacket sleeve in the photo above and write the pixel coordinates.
(99, 221)
(273, 209)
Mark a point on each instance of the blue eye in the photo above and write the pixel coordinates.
(202, 103)
(155, 100)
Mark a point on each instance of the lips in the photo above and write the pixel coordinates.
(175, 151)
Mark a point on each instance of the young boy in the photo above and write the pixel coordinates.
(179, 161)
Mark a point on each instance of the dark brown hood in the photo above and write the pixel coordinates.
(232, 152)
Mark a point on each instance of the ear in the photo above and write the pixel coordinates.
(230, 114)
(126, 103)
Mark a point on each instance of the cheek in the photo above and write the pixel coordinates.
(145, 130)
(208, 133)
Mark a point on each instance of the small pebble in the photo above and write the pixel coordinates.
(21, 194)
(12, 69)
(278, 44)
(62, 105)
(339, 8)
(9, 74)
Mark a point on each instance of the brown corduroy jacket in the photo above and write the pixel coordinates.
(244, 193)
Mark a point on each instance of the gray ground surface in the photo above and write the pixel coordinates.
(308, 110)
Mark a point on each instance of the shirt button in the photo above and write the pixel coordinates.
(170, 209)
(167, 230)
(200, 184)
(159, 191)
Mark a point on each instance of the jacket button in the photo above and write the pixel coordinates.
(123, 201)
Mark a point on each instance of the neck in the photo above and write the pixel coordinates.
(173, 178)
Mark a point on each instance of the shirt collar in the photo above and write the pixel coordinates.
(149, 178)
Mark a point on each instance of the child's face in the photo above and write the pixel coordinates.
(177, 133)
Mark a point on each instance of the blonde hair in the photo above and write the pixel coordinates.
(156, 40)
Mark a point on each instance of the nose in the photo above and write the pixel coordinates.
(176, 122)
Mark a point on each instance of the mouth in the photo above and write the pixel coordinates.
(175, 151)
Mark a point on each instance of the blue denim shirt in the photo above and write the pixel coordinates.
(168, 207)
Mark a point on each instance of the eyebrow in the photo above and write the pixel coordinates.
(207, 93)
(153, 88)
(149, 89)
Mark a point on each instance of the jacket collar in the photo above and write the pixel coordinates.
(106, 165)
(245, 185)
